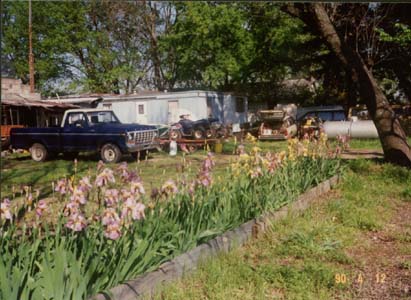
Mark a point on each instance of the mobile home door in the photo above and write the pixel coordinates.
(141, 112)
(173, 111)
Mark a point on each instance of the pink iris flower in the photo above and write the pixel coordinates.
(41, 207)
(138, 211)
(113, 231)
(137, 187)
(123, 171)
(111, 197)
(169, 188)
(208, 163)
(78, 196)
(123, 167)
(257, 172)
(100, 165)
(126, 194)
(132, 176)
(128, 207)
(272, 166)
(110, 216)
(61, 186)
(5, 212)
(71, 208)
(84, 184)
(76, 222)
(105, 177)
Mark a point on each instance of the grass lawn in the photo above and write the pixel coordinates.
(354, 243)
(18, 170)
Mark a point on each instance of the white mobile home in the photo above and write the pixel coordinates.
(166, 107)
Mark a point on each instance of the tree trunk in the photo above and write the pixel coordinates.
(150, 20)
(393, 139)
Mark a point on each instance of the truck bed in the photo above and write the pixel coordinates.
(23, 138)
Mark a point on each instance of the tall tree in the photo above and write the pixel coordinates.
(393, 139)
(211, 44)
(48, 45)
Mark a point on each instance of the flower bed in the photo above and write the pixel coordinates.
(109, 230)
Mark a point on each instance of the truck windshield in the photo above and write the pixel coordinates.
(102, 117)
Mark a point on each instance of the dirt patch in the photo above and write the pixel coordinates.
(383, 260)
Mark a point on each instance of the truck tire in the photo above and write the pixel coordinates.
(38, 152)
(110, 153)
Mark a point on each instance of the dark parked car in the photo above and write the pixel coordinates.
(325, 113)
(86, 130)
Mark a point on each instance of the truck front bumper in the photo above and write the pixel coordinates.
(144, 146)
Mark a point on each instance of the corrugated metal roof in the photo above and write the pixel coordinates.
(21, 101)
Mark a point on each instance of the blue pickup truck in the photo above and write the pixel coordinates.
(86, 130)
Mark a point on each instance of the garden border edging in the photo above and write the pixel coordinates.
(174, 269)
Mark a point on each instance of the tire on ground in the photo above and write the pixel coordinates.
(38, 152)
(110, 153)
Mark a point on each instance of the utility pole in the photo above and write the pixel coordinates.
(31, 56)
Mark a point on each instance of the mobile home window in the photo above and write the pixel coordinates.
(240, 104)
(141, 109)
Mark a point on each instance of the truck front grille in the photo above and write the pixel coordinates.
(144, 136)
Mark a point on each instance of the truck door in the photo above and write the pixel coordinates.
(76, 135)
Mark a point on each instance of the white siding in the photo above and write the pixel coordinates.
(196, 106)
(124, 110)
(230, 114)
(223, 107)
(157, 111)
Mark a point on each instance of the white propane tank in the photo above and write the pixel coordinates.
(361, 129)
(173, 148)
(334, 128)
(364, 129)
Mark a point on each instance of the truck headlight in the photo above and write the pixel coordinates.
(130, 139)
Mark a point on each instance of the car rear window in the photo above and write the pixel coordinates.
(339, 116)
(325, 115)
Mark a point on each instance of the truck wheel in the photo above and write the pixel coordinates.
(199, 133)
(38, 152)
(110, 153)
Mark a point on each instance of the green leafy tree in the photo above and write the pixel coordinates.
(211, 43)
(49, 43)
